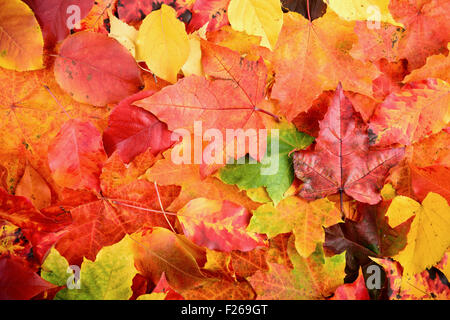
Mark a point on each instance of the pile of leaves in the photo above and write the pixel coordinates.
(93, 206)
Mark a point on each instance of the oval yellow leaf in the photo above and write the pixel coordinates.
(193, 64)
(262, 18)
(124, 33)
(163, 44)
(21, 41)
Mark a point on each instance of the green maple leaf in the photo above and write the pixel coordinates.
(249, 175)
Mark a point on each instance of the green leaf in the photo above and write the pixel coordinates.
(54, 268)
(249, 175)
(108, 278)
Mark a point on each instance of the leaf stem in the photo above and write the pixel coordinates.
(341, 199)
(149, 71)
(308, 9)
(52, 55)
(277, 119)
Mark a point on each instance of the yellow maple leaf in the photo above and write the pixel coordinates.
(429, 235)
(262, 18)
(305, 219)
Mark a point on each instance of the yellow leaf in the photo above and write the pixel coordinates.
(262, 18)
(202, 31)
(370, 10)
(429, 235)
(217, 261)
(152, 296)
(258, 195)
(305, 219)
(193, 65)
(21, 41)
(123, 33)
(163, 44)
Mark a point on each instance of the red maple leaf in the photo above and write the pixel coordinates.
(342, 161)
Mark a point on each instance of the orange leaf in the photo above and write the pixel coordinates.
(433, 150)
(427, 29)
(437, 66)
(246, 264)
(116, 173)
(21, 44)
(228, 101)
(95, 20)
(220, 290)
(33, 109)
(34, 187)
(430, 179)
(417, 111)
(377, 43)
(313, 57)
